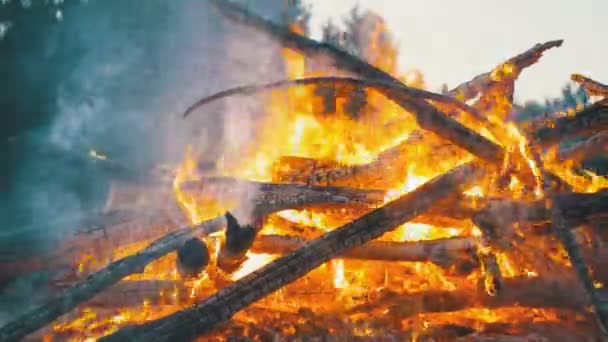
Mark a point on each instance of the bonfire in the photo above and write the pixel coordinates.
(367, 209)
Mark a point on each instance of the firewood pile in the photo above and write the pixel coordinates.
(461, 226)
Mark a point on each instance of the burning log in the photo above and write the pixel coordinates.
(497, 216)
(135, 292)
(590, 120)
(592, 146)
(593, 88)
(342, 86)
(575, 253)
(443, 252)
(538, 292)
(41, 315)
(508, 70)
(272, 197)
(381, 173)
(426, 115)
(206, 315)
(192, 258)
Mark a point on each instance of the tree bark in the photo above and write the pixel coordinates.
(204, 316)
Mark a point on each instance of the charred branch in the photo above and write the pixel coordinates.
(593, 88)
(506, 71)
(591, 120)
(272, 197)
(575, 253)
(588, 148)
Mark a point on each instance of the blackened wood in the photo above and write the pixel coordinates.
(575, 254)
(203, 317)
(340, 87)
(239, 239)
(272, 197)
(588, 148)
(192, 257)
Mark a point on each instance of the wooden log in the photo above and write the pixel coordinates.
(272, 197)
(537, 292)
(382, 173)
(589, 121)
(192, 258)
(129, 293)
(50, 310)
(443, 252)
(575, 253)
(341, 86)
(588, 148)
(593, 88)
(427, 116)
(204, 316)
(509, 70)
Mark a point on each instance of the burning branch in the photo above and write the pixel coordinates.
(592, 146)
(443, 252)
(590, 120)
(273, 197)
(575, 253)
(593, 88)
(342, 85)
(204, 316)
(507, 71)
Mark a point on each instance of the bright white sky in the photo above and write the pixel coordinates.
(451, 41)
